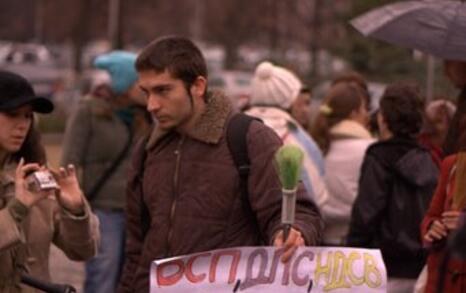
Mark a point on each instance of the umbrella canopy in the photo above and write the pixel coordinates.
(437, 27)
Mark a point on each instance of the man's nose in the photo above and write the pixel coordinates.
(153, 104)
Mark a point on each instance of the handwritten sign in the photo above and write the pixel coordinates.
(259, 269)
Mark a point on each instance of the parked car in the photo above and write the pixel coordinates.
(235, 84)
(35, 63)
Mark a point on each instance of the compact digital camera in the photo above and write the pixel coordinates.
(41, 180)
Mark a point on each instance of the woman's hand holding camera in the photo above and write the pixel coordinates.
(69, 194)
(23, 193)
(66, 189)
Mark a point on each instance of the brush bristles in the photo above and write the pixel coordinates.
(288, 160)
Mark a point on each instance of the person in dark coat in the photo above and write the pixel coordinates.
(189, 184)
(397, 181)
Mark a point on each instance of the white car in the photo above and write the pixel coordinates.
(235, 84)
(35, 63)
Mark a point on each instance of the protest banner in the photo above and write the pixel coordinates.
(259, 269)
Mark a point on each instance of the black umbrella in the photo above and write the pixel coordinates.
(437, 27)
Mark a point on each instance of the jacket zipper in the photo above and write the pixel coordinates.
(177, 153)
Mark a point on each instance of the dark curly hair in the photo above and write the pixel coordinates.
(402, 109)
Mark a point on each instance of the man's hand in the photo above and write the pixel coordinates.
(436, 231)
(294, 241)
(69, 194)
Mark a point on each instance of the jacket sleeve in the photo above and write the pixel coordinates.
(77, 236)
(437, 204)
(265, 190)
(366, 214)
(10, 218)
(134, 235)
(78, 131)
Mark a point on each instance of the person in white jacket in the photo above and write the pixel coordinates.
(340, 130)
(274, 90)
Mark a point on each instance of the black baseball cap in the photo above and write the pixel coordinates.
(16, 91)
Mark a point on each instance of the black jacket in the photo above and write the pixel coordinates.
(398, 178)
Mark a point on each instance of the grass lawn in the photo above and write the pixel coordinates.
(53, 147)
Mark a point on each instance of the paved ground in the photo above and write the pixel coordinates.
(61, 268)
(64, 271)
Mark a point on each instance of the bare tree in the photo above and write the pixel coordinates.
(231, 23)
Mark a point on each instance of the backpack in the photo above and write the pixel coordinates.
(237, 144)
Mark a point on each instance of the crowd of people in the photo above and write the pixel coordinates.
(157, 178)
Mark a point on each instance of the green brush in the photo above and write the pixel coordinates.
(288, 160)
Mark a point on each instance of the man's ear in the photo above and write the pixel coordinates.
(199, 87)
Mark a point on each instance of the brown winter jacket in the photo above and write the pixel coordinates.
(190, 186)
(26, 236)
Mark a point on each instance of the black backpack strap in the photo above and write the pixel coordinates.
(237, 143)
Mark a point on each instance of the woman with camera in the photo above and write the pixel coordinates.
(36, 209)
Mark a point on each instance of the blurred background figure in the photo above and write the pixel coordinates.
(99, 137)
(443, 219)
(301, 108)
(274, 90)
(438, 116)
(340, 130)
(398, 178)
(358, 80)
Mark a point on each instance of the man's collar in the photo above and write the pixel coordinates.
(210, 125)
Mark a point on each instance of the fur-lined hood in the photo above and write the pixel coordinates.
(210, 126)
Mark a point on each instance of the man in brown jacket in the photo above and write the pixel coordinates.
(189, 183)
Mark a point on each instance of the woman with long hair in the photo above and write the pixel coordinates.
(340, 130)
(443, 219)
(35, 210)
(455, 71)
